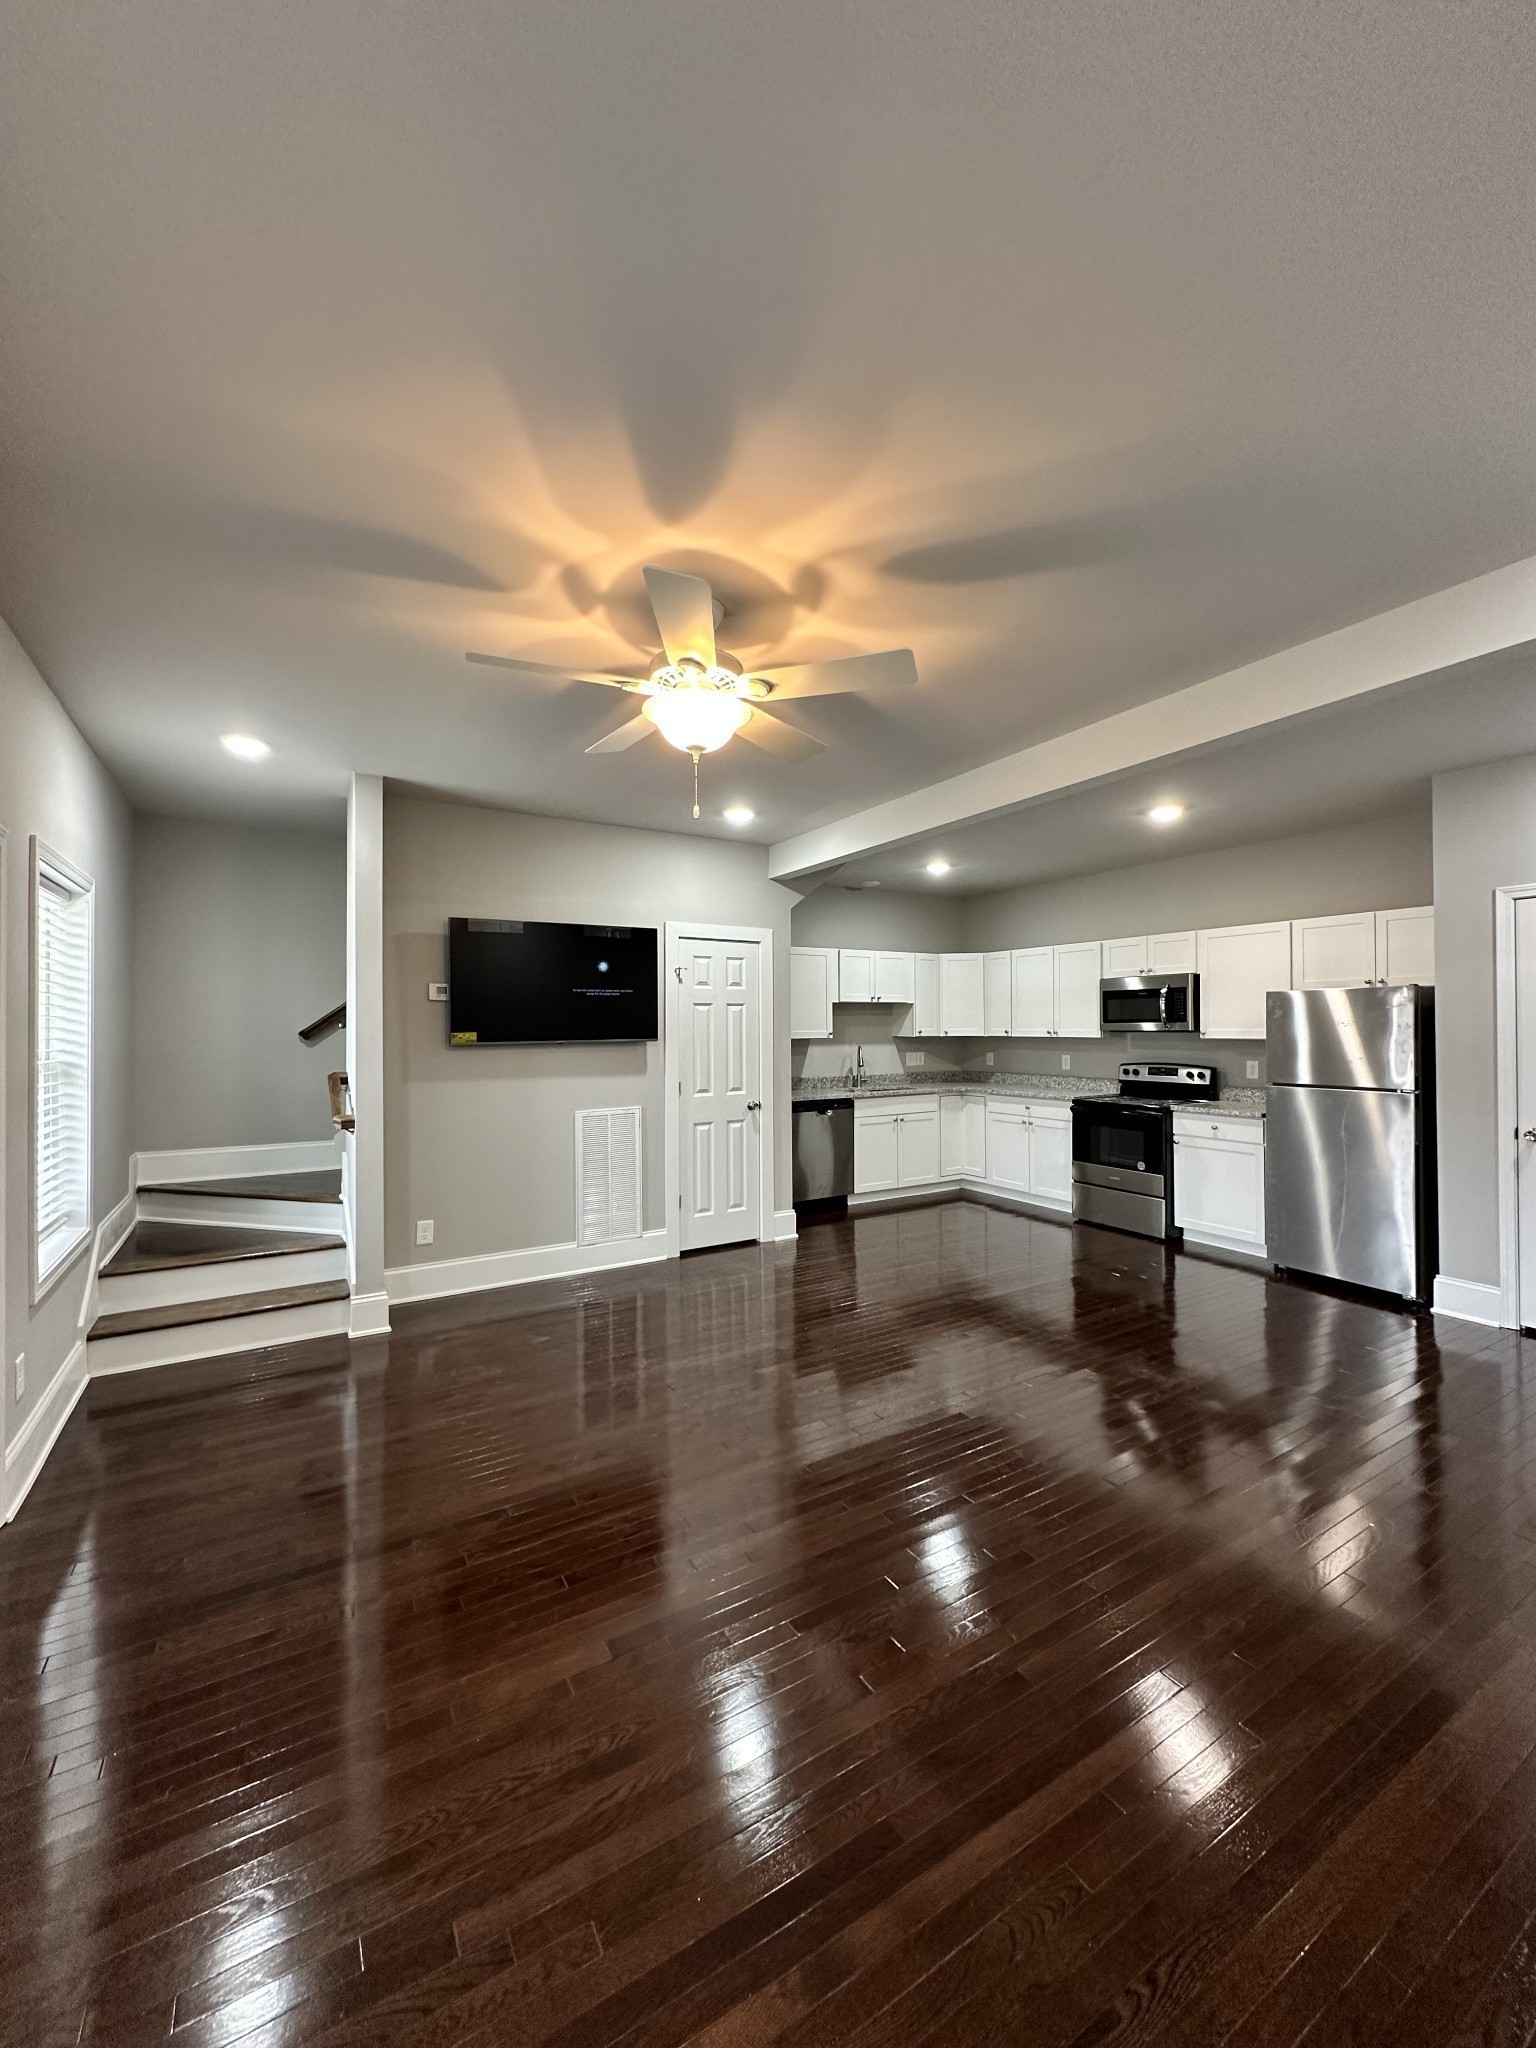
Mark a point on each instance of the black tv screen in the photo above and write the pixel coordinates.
(515, 983)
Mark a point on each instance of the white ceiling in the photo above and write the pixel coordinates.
(1089, 351)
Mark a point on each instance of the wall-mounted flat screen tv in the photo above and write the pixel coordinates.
(516, 983)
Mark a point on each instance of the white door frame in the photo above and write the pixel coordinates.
(1507, 1109)
(671, 1078)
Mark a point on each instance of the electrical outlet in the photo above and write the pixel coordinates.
(1253, 1070)
(424, 1229)
(991, 1056)
(437, 991)
(21, 1375)
(1066, 1063)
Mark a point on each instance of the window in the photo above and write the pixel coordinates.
(61, 994)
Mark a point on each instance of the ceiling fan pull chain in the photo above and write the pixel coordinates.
(695, 753)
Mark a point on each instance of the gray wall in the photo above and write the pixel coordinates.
(240, 940)
(1485, 839)
(897, 918)
(53, 785)
(1384, 864)
(482, 1141)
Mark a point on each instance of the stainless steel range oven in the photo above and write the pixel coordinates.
(1122, 1146)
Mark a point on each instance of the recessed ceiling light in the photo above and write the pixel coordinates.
(738, 814)
(938, 867)
(869, 885)
(1165, 814)
(244, 747)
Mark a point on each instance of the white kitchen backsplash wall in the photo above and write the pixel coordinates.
(1100, 1058)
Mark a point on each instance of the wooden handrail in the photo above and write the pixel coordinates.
(331, 1021)
(341, 1102)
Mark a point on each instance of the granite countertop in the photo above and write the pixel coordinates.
(1034, 1087)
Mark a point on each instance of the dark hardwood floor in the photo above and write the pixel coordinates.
(949, 1629)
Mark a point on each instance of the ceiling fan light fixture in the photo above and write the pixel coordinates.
(696, 721)
(739, 814)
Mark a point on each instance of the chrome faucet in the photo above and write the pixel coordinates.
(859, 1062)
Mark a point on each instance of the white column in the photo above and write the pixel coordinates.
(365, 1054)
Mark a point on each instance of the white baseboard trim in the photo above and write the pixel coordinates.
(226, 1162)
(982, 1190)
(1223, 1241)
(110, 1233)
(784, 1226)
(1470, 1301)
(369, 1315)
(512, 1269)
(27, 1455)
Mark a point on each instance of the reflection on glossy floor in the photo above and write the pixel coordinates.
(950, 1629)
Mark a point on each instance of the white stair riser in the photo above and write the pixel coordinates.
(144, 1348)
(314, 1218)
(120, 1291)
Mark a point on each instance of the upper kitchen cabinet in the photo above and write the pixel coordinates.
(960, 995)
(1238, 966)
(1405, 945)
(813, 972)
(1124, 956)
(1077, 972)
(895, 977)
(924, 1020)
(1333, 952)
(1034, 991)
(996, 995)
(1172, 953)
(855, 975)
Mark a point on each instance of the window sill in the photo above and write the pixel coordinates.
(55, 1255)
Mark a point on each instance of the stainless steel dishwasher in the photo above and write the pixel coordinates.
(823, 1149)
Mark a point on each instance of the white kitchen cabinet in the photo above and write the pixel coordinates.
(960, 995)
(895, 978)
(1218, 1179)
(1077, 990)
(1124, 956)
(996, 995)
(1034, 991)
(896, 1143)
(1008, 1145)
(812, 990)
(1173, 953)
(1405, 945)
(1050, 1153)
(1333, 952)
(1238, 965)
(855, 975)
(924, 1019)
(962, 1137)
(1029, 1150)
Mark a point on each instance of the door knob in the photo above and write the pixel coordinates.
(754, 1105)
(1529, 1137)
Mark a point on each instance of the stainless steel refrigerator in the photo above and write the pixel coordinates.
(1349, 1138)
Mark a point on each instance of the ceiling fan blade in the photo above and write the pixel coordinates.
(623, 736)
(553, 671)
(775, 737)
(685, 612)
(884, 671)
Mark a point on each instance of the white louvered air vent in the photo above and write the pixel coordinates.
(607, 1175)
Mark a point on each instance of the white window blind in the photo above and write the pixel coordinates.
(62, 971)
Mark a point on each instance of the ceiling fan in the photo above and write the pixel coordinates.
(698, 698)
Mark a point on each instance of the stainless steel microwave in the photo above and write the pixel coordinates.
(1150, 1002)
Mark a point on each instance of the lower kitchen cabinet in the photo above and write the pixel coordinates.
(895, 1143)
(962, 1137)
(1218, 1180)
(1029, 1150)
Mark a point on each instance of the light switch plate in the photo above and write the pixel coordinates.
(424, 1228)
(21, 1375)
(1253, 1070)
(437, 991)
(990, 1058)
(1066, 1063)
(917, 1059)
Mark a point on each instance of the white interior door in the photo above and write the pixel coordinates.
(1525, 1095)
(720, 1073)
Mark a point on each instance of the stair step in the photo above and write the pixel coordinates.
(152, 1247)
(323, 1185)
(176, 1314)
